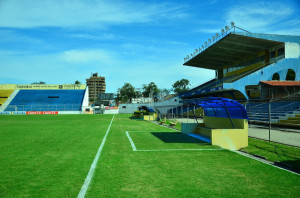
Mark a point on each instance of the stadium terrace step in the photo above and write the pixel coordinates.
(292, 125)
(294, 118)
(290, 121)
(200, 137)
(204, 131)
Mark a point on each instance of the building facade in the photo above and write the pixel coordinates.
(96, 86)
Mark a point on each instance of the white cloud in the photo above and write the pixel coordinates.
(86, 56)
(77, 13)
(105, 36)
(259, 17)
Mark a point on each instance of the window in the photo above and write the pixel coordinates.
(124, 107)
(272, 54)
(276, 76)
(291, 75)
(280, 51)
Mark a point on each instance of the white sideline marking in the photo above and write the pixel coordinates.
(131, 142)
(89, 177)
(135, 149)
(263, 161)
(181, 150)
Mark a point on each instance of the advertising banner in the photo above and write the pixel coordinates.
(13, 112)
(41, 112)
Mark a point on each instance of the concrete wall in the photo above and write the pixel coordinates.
(161, 106)
(85, 101)
(265, 74)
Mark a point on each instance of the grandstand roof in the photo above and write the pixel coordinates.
(229, 49)
(219, 107)
(281, 83)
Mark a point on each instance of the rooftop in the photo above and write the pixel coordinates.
(229, 49)
(281, 83)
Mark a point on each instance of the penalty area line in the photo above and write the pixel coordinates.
(182, 150)
(131, 141)
(94, 164)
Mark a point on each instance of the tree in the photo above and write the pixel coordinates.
(164, 92)
(77, 82)
(150, 90)
(126, 93)
(181, 86)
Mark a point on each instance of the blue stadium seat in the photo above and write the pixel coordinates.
(47, 100)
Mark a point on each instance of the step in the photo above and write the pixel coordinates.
(204, 131)
(290, 121)
(200, 137)
(294, 118)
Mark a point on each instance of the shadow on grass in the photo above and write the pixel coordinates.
(173, 137)
(293, 165)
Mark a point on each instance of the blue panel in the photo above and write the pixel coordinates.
(220, 107)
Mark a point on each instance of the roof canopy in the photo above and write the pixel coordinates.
(230, 49)
(147, 109)
(281, 83)
(220, 107)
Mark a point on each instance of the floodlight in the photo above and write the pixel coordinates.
(202, 46)
(205, 43)
(222, 31)
(226, 27)
(232, 24)
(213, 38)
(217, 35)
(209, 40)
(196, 50)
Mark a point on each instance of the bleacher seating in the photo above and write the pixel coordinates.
(47, 100)
(259, 112)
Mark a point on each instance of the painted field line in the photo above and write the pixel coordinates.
(131, 142)
(135, 149)
(94, 164)
(182, 150)
(263, 161)
(149, 131)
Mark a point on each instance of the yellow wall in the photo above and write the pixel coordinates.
(232, 139)
(150, 117)
(39, 86)
(223, 123)
(4, 94)
(8, 86)
(221, 133)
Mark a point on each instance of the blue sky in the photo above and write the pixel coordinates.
(60, 41)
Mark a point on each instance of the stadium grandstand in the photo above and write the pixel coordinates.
(43, 99)
(262, 71)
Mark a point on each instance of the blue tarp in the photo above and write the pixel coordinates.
(219, 107)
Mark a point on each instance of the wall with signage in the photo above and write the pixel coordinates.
(41, 86)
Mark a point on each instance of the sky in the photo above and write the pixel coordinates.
(135, 41)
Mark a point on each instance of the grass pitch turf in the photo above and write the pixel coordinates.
(50, 156)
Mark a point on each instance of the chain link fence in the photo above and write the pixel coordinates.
(276, 120)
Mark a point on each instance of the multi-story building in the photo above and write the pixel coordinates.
(96, 85)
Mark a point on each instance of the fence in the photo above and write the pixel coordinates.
(275, 121)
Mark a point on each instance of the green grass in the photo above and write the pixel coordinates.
(47, 155)
(275, 152)
(50, 156)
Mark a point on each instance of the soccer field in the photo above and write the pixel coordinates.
(51, 156)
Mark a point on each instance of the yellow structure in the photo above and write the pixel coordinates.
(150, 117)
(4, 95)
(40, 86)
(220, 131)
